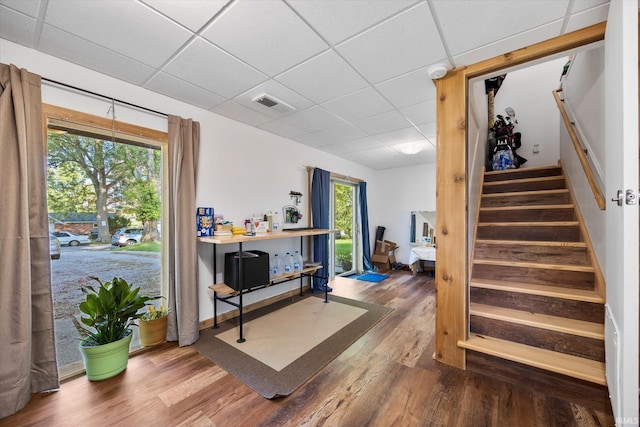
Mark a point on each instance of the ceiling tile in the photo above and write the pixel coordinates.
(399, 136)
(79, 51)
(156, 37)
(210, 68)
(238, 112)
(16, 27)
(337, 20)
(509, 44)
(359, 105)
(340, 133)
(276, 90)
(422, 113)
(186, 92)
(266, 34)
(385, 122)
(313, 119)
(588, 17)
(29, 8)
(428, 129)
(406, 42)
(409, 89)
(492, 20)
(281, 128)
(193, 14)
(359, 144)
(581, 5)
(325, 77)
(312, 140)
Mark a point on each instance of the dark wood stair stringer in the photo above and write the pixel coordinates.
(533, 296)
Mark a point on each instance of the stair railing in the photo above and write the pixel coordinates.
(575, 139)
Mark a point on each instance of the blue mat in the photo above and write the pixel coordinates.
(372, 277)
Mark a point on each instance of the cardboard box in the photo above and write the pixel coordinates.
(383, 262)
(385, 247)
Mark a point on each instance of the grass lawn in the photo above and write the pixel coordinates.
(343, 246)
(142, 247)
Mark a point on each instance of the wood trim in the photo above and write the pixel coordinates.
(451, 112)
(575, 139)
(104, 123)
(558, 44)
(599, 281)
(451, 199)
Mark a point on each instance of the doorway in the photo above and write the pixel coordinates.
(344, 242)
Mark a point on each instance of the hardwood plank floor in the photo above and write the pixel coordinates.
(386, 378)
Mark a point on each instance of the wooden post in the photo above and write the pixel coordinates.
(451, 218)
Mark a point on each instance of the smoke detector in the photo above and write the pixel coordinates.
(273, 103)
(437, 71)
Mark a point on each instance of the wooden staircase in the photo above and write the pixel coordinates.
(535, 296)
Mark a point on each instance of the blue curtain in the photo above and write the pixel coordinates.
(412, 236)
(320, 204)
(364, 221)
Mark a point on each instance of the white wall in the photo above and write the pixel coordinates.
(402, 190)
(528, 92)
(584, 95)
(242, 170)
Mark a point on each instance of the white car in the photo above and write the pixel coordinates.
(71, 239)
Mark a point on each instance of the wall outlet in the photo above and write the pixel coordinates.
(536, 148)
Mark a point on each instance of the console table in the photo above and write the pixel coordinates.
(223, 292)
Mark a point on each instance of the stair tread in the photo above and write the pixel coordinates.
(508, 171)
(527, 207)
(543, 290)
(565, 364)
(526, 193)
(545, 265)
(532, 243)
(524, 180)
(526, 223)
(544, 321)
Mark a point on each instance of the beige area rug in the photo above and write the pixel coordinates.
(289, 341)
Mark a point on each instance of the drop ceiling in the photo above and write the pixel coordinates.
(354, 71)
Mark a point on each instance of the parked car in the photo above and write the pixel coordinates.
(126, 236)
(71, 239)
(54, 246)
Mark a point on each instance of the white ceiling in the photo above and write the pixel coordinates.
(354, 70)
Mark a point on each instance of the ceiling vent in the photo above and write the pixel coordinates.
(273, 103)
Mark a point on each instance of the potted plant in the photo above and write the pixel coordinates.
(153, 326)
(344, 260)
(110, 312)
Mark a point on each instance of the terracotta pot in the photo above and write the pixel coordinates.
(153, 332)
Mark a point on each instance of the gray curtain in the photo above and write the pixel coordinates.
(184, 140)
(27, 340)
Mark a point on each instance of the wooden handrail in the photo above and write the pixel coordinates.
(597, 193)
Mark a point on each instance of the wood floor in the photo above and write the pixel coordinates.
(387, 378)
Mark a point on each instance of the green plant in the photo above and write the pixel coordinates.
(343, 258)
(153, 313)
(111, 309)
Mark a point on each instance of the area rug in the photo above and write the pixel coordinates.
(289, 341)
(372, 277)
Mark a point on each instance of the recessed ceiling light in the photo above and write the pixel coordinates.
(411, 149)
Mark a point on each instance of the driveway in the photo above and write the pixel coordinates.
(73, 269)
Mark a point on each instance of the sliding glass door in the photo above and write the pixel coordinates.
(344, 243)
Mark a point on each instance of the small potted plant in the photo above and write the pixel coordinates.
(110, 312)
(153, 326)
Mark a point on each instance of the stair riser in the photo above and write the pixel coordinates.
(574, 345)
(544, 233)
(534, 215)
(579, 310)
(508, 187)
(538, 276)
(522, 174)
(535, 253)
(525, 200)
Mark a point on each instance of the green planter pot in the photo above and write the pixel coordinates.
(107, 360)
